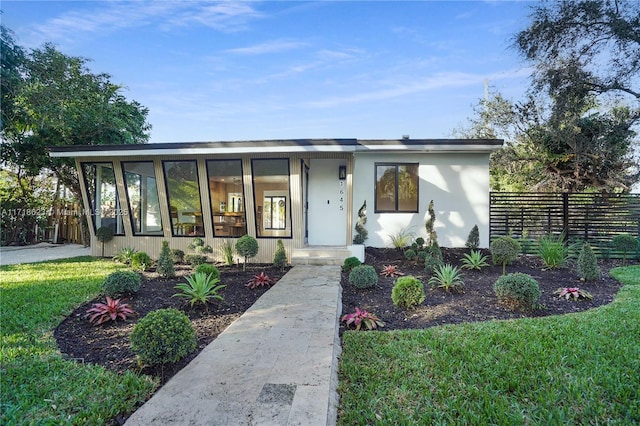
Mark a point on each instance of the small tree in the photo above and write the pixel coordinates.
(104, 234)
(363, 234)
(626, 244)
(432, 236)
(504, 250)
(588, 268)
(280, 256)
(246, 246)
(473, 240)
(165, 262)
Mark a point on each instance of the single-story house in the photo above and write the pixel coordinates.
(305, 192)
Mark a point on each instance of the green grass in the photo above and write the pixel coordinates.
(37, 386)
(573, 369)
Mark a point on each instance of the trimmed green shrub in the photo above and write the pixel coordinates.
(104, 234)
(435, 250)
(247, 247)
(196, 259)
(363, 276)
(198, 246)
(517, 291)
(410, 254)
(361, 232)
(626, 244)
(121, 282)
(473, 240)
(208, 269)
(431, 262)
(504, 250)
(163, 336)
(280, 256)
(407, 292)
(350, 263)
(178, 255)
(588, 268)
(140, 261)
(165, 262)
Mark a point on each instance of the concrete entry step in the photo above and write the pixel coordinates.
(320, 255)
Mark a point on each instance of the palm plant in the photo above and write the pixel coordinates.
(200, 288)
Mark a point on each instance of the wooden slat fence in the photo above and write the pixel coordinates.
(596, 218)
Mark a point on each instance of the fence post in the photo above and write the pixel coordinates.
(565, 216)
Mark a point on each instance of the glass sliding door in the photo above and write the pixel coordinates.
(272, 199)
(100, 182)
(183, 194)
(227, 198)
(142, 196)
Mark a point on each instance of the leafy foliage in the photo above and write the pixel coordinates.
(390, 271)
(431, 262)
(200, 288)
(504, 250)
(208, 269)
(474, 260)
(407, 292)
(473, 240)
(432, 236)
(121, 282)
(447, 277)
(401, 239)
(553, 251)
(280, 256)
(588, 268)
(626, 244)
(198, 246)
(227, 252)
(517, 291)
(410, 254)
(260, 280)
(573, 293)
(163, 336)
(111, 310)
(178, 255)
(361, 318)
(141, 261)
(196, 259)
(124, 255)
(165, 262)
(104, 234)
(350, 263)
(361, 232)
(247, 247)
(363, 276)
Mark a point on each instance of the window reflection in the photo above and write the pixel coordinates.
(227, 197)
(183, 192)
(103, 196)
(396, 188)
(272, 201)
(142, 195)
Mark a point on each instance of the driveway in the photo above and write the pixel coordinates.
(40, 252)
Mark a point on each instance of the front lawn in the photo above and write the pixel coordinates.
(38, 386)
(579, 368)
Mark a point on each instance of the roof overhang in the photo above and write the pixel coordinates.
(279, 146)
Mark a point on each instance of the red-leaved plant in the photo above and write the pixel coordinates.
(573, 293)
(390, 271)
(110, 311)
(362, 318)
(260, 280)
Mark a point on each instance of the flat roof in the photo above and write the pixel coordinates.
(279, 146)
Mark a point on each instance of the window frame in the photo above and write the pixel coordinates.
(166, 187)
(397, 166)
(92, 209)
(258, 214)
(244, 198)
(126, 192)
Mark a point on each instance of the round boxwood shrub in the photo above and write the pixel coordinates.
(121, 282)
(162, 337)
(350, 263)
(626, 244)
(517, 290)
(247, 247)
(407, 292)
(140, 261)
(178, 255)
(363, 276)
(504, 250)
(208, 269)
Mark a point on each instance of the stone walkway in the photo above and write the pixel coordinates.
(276, 365)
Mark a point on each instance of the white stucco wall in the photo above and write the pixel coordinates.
(458, 183)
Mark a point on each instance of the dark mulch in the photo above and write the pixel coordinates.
(478, 302)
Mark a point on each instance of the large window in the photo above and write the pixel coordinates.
(183, 192)
(142, 195)
(103, 196)
(272, 200)
(396, 188)
(227, 197)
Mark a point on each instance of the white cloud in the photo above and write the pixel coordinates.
(274, 46)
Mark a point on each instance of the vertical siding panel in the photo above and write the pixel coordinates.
(162, 198)
(205, 201)
(122, 196)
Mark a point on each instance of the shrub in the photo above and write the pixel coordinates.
(473, 240)
(432, 236)
(552, 251)
(121, 282)
(247, 247)
(162, 337)
(141, 261)
(109, 311)
(362, 318)
(363, 276)
(196, 259)
(407, 292)
(350, 263)
(280, 256)
(124, 255)
(208, 269)
(626, 244)
(474, 260)
(410, 254)
(178, 255)
(104, 234)
(165, 262)
(260, 280)
(517, 290)
(227, 252)
(504, 250)
(435, 250)
(401, 239)
(431, 262)
(199, 288)
(448, 278)
(198, 246)
(362, 233)
(588, 268)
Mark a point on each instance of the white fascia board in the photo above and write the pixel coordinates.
(431, 148)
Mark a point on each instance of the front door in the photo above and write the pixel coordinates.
(327, 198)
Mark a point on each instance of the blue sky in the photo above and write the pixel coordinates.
(211, 71)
